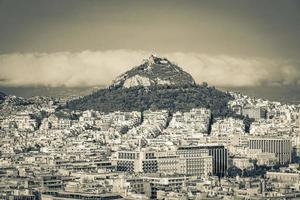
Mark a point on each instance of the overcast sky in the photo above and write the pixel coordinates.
(89, 42)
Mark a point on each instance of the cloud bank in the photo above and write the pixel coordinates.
(94, 68)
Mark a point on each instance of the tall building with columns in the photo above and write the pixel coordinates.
(282, 147)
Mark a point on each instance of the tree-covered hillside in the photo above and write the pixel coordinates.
(171, 98)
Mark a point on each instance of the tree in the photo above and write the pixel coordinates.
(124, 129)
(247, 122)
(234, 171)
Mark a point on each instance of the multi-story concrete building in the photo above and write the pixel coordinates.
(155, 182)
(284, 176)
(218, 153)
(194, 161)
(282, 147)
(136, 161)
(198, 163)
(254, 112)
(24, 121)
(168, 163)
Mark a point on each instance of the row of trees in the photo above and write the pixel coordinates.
(256, 171)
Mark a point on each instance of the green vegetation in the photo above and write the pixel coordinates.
(247, 122)
(172, 98)
(256, 171)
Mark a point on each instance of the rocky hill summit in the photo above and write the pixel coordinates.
(154, 71)
(157, 84)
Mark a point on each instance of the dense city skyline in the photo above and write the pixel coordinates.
(136, 99)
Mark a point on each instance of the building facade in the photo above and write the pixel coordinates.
(280, 146)
(218, 153)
